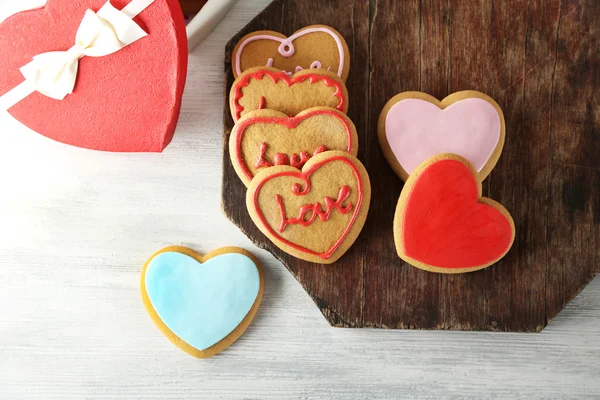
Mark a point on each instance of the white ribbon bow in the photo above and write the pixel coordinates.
(53, 74)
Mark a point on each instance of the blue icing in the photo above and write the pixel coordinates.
(202, 303)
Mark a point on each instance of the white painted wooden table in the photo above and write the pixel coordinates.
(76, 227)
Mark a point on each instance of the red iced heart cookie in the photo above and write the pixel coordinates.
(442, 223)
(315, 213)
(265, 87)
(264, 138)
(126, 101)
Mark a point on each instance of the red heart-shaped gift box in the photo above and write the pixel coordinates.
(128, 101)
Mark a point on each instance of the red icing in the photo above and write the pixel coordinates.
(290, 123)
(126, 101)
(282, 159)
(309, 212)
(446, 227)
(321, 149)
(296, 189)
(262, 103)
(298, 161)
(295, 160)
(276, 77)
(262, 161)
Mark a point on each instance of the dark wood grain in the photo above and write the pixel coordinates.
(191, 7)
(540, 60)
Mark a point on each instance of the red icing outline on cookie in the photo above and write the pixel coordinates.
(445, 225)
(288, 122)
(316, 209)
(276, 77)
(305, 176)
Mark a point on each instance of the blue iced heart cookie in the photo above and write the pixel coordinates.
(202, 303)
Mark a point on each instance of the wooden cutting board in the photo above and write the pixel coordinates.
(540, 60)
(191, 7)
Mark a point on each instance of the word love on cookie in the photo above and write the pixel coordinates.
(267, 138)
(202, 303)
(295, 160)
(442, 224)
(309, 212)
(315, 213)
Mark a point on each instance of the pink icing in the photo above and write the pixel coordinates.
(417, 129)
(286, 48)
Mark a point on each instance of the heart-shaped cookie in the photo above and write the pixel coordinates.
(264, 87)
(265, 138)
(315, 46)
(202, 303)
(315, 213)
(414, 126)
(126, 101)
(442, 223)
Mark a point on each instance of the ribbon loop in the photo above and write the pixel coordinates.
(96, 36)
(52, 74)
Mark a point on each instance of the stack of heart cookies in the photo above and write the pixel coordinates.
(293, 145)
(443, 150)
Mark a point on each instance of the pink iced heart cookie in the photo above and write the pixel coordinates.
(414, 126)
(95, 85)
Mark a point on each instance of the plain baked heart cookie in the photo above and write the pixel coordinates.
(264, 87)
(266, 138)
(442, 224)
(315, 46)
(128, 101)
(414, 126)
(315, 213)
(202, 303)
